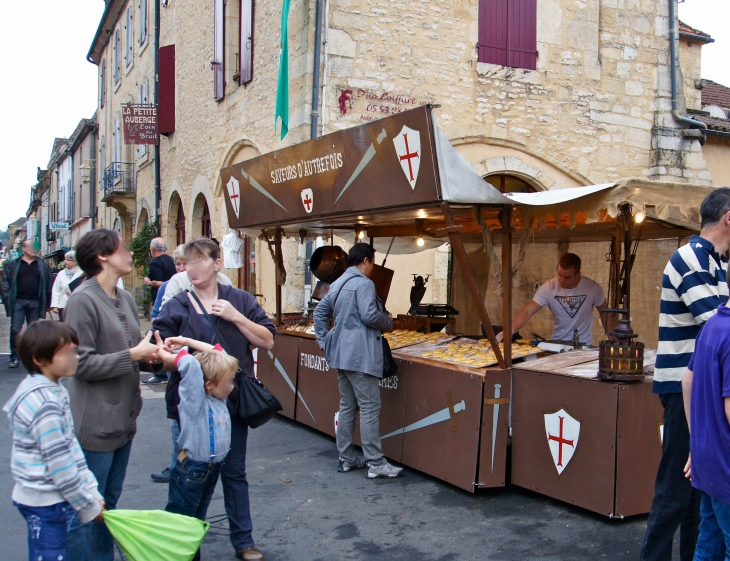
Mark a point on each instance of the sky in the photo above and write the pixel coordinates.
(48, 86)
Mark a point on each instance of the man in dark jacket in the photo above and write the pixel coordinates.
(25, 292)
(354, 347)
(162, 266)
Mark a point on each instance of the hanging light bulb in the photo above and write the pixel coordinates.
(419, 241)
(419, 230)
(361, 234)
(639, 217)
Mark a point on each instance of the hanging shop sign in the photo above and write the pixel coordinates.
(141, 125)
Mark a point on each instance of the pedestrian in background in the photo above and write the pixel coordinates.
(62, 286)
(25, 292)
(354, 347)
(244, 324)
(50, 471)
(706, 388)
(162, 266)
(105, 392)
(693, 288)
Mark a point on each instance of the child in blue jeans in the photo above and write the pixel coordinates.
(49, 468)
(205, 424)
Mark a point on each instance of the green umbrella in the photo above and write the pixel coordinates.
(156, 535)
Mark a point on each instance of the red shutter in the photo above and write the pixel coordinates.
(166, 85)
(219, 79)
(508, 33)
(246, 41)
(523, 34)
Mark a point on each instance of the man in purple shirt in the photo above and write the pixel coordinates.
(706, 389)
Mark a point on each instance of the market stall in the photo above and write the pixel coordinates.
(447, 412)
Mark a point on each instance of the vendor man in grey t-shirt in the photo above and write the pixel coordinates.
(571, 298)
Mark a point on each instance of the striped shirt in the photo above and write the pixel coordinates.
(693, 287)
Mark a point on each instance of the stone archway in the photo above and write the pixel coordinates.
(202, 218)
(176, 234)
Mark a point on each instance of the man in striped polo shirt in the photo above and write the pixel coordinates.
(693, 287)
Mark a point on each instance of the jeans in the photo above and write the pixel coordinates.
(47, 532)
(676, 503)
(358, 390)
(714, 541)
(25, 311)
(92, 541)
(191, 489)
(235, 488)
(175, 431)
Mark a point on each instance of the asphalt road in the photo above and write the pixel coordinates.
(304, 510)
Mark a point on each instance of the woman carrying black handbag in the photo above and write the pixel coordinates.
(241, 321)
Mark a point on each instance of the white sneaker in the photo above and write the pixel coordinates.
(383, 470)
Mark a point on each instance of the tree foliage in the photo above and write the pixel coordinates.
(140, 245)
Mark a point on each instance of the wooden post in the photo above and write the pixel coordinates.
(279, 260)
(627, 231)
(458, 247)
(505, 218)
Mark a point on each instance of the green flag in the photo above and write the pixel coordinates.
(282, 88)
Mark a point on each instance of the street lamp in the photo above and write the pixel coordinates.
(85, 169)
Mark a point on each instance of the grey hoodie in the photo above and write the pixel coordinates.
(47, 462)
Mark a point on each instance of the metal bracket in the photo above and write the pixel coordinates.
(480, 484)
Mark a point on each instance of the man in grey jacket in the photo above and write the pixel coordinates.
(354, 347)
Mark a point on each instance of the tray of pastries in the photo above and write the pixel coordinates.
(399, 338)
(465, 352)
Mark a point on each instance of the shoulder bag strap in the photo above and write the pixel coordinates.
(338, 293)
(210, 320)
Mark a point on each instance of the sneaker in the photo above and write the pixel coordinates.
(13, 363)
(383, 470)
(344, 466)
(155, 380)
(161, 476)
(251, 553)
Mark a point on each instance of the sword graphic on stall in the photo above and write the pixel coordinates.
(284, 375)
(496, 401)
(438, 417)
(363, 163)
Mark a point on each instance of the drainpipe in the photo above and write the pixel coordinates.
(92, 179)
(158, 210)
(315, 79)
(673, 57)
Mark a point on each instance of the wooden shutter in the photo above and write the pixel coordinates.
(508, 33)
(102, 85)
(117, 56)
(246, 47)
(129, 52)
(166, 85)
(523, 34)
(142, 21)
(219, 81)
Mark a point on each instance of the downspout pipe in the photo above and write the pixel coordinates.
(158, 193)
(316, 70)
(692, 123)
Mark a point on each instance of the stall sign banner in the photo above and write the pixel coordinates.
(377, 165)
(56, 226)
(562, 431)
(141, 125)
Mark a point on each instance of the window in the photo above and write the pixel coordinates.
(142, 21)
(205, 219)
(117, 56)
(219, 82)
(166, 77)
(102, 84)
(128, 52)
(508, 33)
(142, 148)
(509, 184)
(180, 225)
(246, 42)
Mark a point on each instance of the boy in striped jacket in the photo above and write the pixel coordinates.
(47, 463)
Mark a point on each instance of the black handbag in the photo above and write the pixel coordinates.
(256, 405)
(390, 368)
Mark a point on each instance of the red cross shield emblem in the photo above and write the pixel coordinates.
(234, 194)
(562, 431)
(308, 200)
(408, 149)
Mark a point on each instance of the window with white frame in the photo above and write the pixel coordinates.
(128, 51)
(142, 21)
(117, 56)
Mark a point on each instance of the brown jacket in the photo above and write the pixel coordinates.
(105, 394)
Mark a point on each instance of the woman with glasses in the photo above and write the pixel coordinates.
(243, 324)
(62, 286)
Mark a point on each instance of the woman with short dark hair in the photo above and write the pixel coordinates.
(244, 324)
(105, 393)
